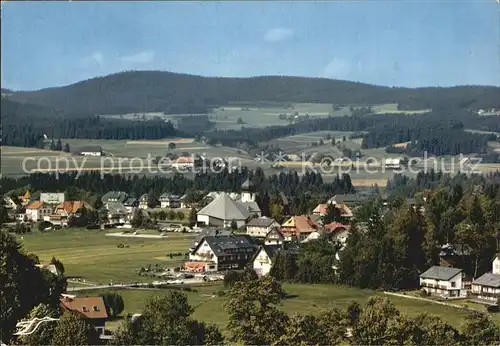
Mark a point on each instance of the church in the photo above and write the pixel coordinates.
(223, 210)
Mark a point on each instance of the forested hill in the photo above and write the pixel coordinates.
(155, 91)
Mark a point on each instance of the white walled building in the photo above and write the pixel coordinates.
(222, 211)
(487, 286)
(263, 259)
(260, 227)
(443, 282)
(37, 210)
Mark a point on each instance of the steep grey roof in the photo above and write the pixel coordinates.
(440, 273)
(349, 198)
(224, 244)
(488, 279)
(271, 251)
(274, 231)
(130, 201)
(247, 185)
(261, 222)
(167, 196)
(120, 196)
(117, 208)
(209, 232)
(224, 208)
(250, 206)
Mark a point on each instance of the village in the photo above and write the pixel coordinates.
(231, 234)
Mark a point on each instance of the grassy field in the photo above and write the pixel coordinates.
(392, 108)
(97, 258)
(306, 299)
(255, 115)
(92, 255)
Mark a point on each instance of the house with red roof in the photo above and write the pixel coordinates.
(91, 308)
(37, 210)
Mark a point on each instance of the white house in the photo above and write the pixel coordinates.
(52, 198)
(274, 237)
(262, 262)
(443, 281)
(222, 252)
(260, 227)
(487, 286)
(9, 203)
(93, 150)
(37, 210)
(169, 201)
(392, 163)
(144, 202)
(117, 213)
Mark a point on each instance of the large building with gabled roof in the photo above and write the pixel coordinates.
(223, 210)
(222, 252)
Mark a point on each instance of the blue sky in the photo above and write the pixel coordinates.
(401, 43)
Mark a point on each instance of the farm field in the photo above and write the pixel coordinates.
(393, 109)
(12, 163)
(266, 113)
(93, 256)
(141, 148)
(305, 299)
(252, 115)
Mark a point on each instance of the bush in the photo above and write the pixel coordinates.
(493, 308)
(120, 246)
(220, 293)
(423, 293)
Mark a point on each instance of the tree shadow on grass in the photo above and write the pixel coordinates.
(290, 296)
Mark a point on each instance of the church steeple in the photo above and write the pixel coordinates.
(248, 191)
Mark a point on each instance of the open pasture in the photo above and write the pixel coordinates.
(392, 108)
(97, 258)
(304, 299)
(228, 117)
(302, 141)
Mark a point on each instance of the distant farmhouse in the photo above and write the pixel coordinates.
(392, 163)
(93, 150)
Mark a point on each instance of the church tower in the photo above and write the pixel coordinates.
(248, 191)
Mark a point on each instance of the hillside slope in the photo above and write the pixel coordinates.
(139, 91)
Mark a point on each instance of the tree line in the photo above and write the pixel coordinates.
(26, 127)
(282, 186)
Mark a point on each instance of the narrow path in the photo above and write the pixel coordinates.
(456, 306)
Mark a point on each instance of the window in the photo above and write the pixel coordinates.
(84, 309)
(453, 284)
(96, 308)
